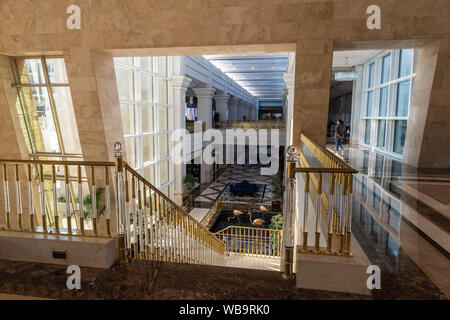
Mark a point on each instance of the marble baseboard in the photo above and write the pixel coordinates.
(35, 247)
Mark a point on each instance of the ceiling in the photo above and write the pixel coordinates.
(260, 74)
(348, 59)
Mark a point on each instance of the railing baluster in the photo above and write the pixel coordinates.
(30, 198)
(94, 200)
(80, 200)
(107, 202)
(318, 207)
(67, 190)
(18, 197)
(330, 214)
(6, 197)
(42, 196)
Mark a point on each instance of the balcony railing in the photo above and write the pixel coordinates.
(332, 181)
(257, 124)
(75, 198)
(251, 241)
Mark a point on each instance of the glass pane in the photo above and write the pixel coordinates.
(39, 108)
(399, 135)
(401, 109)
(165, 190)
(367, 132)
(385, 69)
(370, 75)
(130, 152)
(163, 119)
(32, 71)
(66, 119)
(164, 146)
(57, 70)
(164, 171)
(147, 119)
(125, 83)
(369, 100)
(146, 63)
(162, 65)
(381, 133)
(148, 145)
(146, 87)
(163, 91)
(405, 62)
(149, 174)
(127, 112)
(124, 60)
(382, 111)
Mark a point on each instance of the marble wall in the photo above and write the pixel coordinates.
(174, 27)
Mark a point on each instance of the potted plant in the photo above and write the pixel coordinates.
(88, 206)
(189, 182)
(277, 224)
(277, 192)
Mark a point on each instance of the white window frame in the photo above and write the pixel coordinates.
(392, 86)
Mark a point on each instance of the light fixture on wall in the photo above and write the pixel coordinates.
(345, 76)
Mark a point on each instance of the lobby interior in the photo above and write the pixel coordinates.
(94, 114)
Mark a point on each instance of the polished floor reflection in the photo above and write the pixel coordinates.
(401, 219)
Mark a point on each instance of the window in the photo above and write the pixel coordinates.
(143, 85)
(405, 62)
(47, 118)
(381, 133)
(367, 132)
(399, 136)
(402, 105)
(385, 68)
(386, 100)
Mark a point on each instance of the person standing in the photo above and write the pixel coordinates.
(339, 136)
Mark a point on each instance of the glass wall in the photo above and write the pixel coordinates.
(45, 108)
(388, 83)
(145, 103)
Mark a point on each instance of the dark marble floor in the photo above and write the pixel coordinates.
(173, 281)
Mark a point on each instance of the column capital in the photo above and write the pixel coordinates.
(222, 97)
(181, 82)
(206, 92)
(234, 100)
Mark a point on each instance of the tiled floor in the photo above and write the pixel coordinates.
(234, 174)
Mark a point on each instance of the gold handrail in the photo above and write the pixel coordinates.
(252, 241)
(45, 197)
(218, 245)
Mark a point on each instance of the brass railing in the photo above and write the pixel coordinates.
(74, 198)
(188, 202)
(251, 241)
(256, 124)
(332, 185)
(151, 226)
(191, 126)
(58, 197)
(209, 219)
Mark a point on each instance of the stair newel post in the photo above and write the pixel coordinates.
(289, 207)
(120, 208)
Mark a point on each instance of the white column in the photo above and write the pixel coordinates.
(204, 104)
(179, 88)
(222, 100)
(232, 109)
(356, 106)
(289, 79)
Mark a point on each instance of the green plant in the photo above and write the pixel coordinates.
(88, 207)
(277, 224)
(276, 188)
(189, 182)
(216, 116)
(62, 199)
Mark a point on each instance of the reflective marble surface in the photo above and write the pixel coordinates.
(401, 219)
